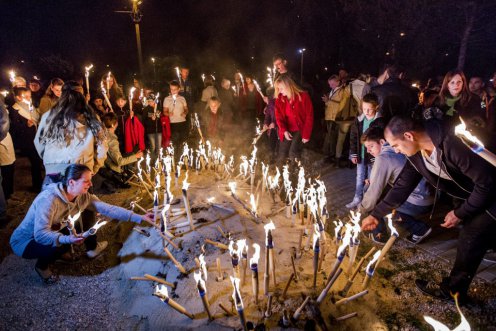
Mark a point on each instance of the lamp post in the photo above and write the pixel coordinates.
(136, 16)
(154, 70)
(302, 51)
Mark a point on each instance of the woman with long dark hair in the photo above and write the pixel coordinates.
(294, 117)
(45, 233)
(69, 133)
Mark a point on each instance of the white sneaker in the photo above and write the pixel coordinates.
(100, 247)
(353, 204)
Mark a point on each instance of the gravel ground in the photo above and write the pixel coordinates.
(87, 297)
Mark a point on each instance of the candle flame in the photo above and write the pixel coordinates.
(203, 77)
(256, 85)
(316, 234)
(346, 240)
(373, 261)
(256, 256)
(268, 227)
(232, 186)
(161, 291)
(241, 243)
(72, 219)
(199, 281)
(390, 225)
(88, 68)
(461, 130)
(337, 229)
(438, 326)
(203, 266)
(253, 203)
(236, 295)
(185, 182)
(12, 76)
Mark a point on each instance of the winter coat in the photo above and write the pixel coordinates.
(83, 148)
(115, 160)
(395, 98)
(134, 135)
(338, 101)
(50, 210)
(295, 114)
(473, 178)
(22, 134)
(356, 132)
(152, 125)
(387, 167)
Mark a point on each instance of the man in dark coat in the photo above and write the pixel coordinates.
(450, 166)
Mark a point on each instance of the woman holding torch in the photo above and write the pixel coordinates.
(45, 233)
(294, 117)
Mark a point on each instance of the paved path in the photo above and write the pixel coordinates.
(340, 184)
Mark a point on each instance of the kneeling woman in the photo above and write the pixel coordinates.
(41, 234)
(294, 117)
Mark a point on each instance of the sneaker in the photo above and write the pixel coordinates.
(378, 238)
(100, 247)
(353, 204)
(437, 291)
(47, 275)
(490, 256)
(416, 239)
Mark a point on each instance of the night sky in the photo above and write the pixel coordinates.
(221, 36)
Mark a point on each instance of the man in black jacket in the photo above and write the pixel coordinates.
(445, 162)
(395, 98)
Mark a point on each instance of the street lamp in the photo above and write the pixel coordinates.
(136, 16)
(154, 71)
(302, 51)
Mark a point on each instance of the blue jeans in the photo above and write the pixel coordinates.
(363, 173)
(155, 140)
(406, 218)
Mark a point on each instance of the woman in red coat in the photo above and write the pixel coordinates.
(294, 117)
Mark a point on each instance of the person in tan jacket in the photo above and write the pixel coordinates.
(337, 126)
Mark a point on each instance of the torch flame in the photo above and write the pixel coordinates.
(390, 225)
(256, 256)
(373, 261)
(99, 224)
(199, 281)
(461, 130)
(438, 326)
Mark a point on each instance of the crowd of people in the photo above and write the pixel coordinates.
(399, 136)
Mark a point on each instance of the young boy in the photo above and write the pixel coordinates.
(23, 123)
(176, 108)
(153, 125)
(387, 167)
(358, 154)
(115, 161)
(122, 112)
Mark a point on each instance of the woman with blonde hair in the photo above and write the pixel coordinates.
(294, 117)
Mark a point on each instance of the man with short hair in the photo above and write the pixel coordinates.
(476, 86)
(445, 162)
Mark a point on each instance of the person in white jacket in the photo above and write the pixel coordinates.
(45, 232)
(70, 132)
